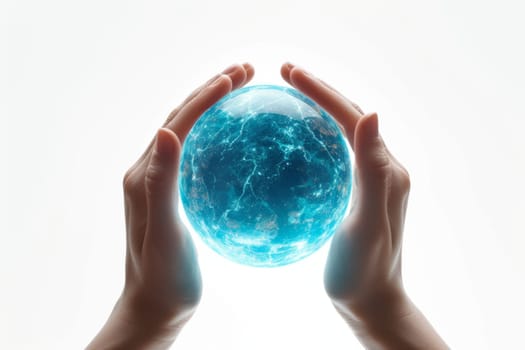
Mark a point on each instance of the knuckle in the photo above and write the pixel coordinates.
(375, 158)
(126, 181)
(381, 164)
(378, 171)
(172, 115)
(130, 183)
(154, 176)
(356, 106)
(404, 180)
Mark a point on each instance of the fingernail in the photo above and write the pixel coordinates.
(247, 67)
(289, 65)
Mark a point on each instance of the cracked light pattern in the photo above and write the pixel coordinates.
(265, 176)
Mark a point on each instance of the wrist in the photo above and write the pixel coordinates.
(379, 318)
(390, 321)
(373, 309)
(136, 325)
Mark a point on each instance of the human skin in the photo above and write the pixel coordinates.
(363, 272)
(163, 282)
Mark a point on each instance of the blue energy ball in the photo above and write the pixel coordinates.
(265, 176)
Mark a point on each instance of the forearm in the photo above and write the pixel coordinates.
(402, 327)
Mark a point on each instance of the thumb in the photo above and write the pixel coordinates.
(161, 177)
(373, 166)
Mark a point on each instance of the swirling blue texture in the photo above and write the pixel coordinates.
(265, 176)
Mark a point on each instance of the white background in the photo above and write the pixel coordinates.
(88, 84)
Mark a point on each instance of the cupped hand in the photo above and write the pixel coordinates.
(163, 282)
(162, 272)
(363, 271)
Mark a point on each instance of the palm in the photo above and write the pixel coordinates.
(165, 254)
(365, 253)
(162, 271)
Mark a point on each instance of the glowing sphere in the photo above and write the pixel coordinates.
(265, 176)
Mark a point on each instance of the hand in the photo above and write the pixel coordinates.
(163, 282)
(365, 256)
(363, 272)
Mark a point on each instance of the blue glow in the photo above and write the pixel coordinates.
(265, 176)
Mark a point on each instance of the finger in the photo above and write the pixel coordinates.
(334, 103)
(369, 214)
(250, 72)
(287, 68)
(239, 74)
(373, 168)
(328, 98)
(397, 205)
(161, 182)
(192, 111)
(238, 78)
(188, 115)
(168, 249)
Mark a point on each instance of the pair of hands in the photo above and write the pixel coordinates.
(363, 273)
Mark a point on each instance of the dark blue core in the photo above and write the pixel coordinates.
(265, 176)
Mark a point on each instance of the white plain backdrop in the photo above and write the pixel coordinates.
(89, 83)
